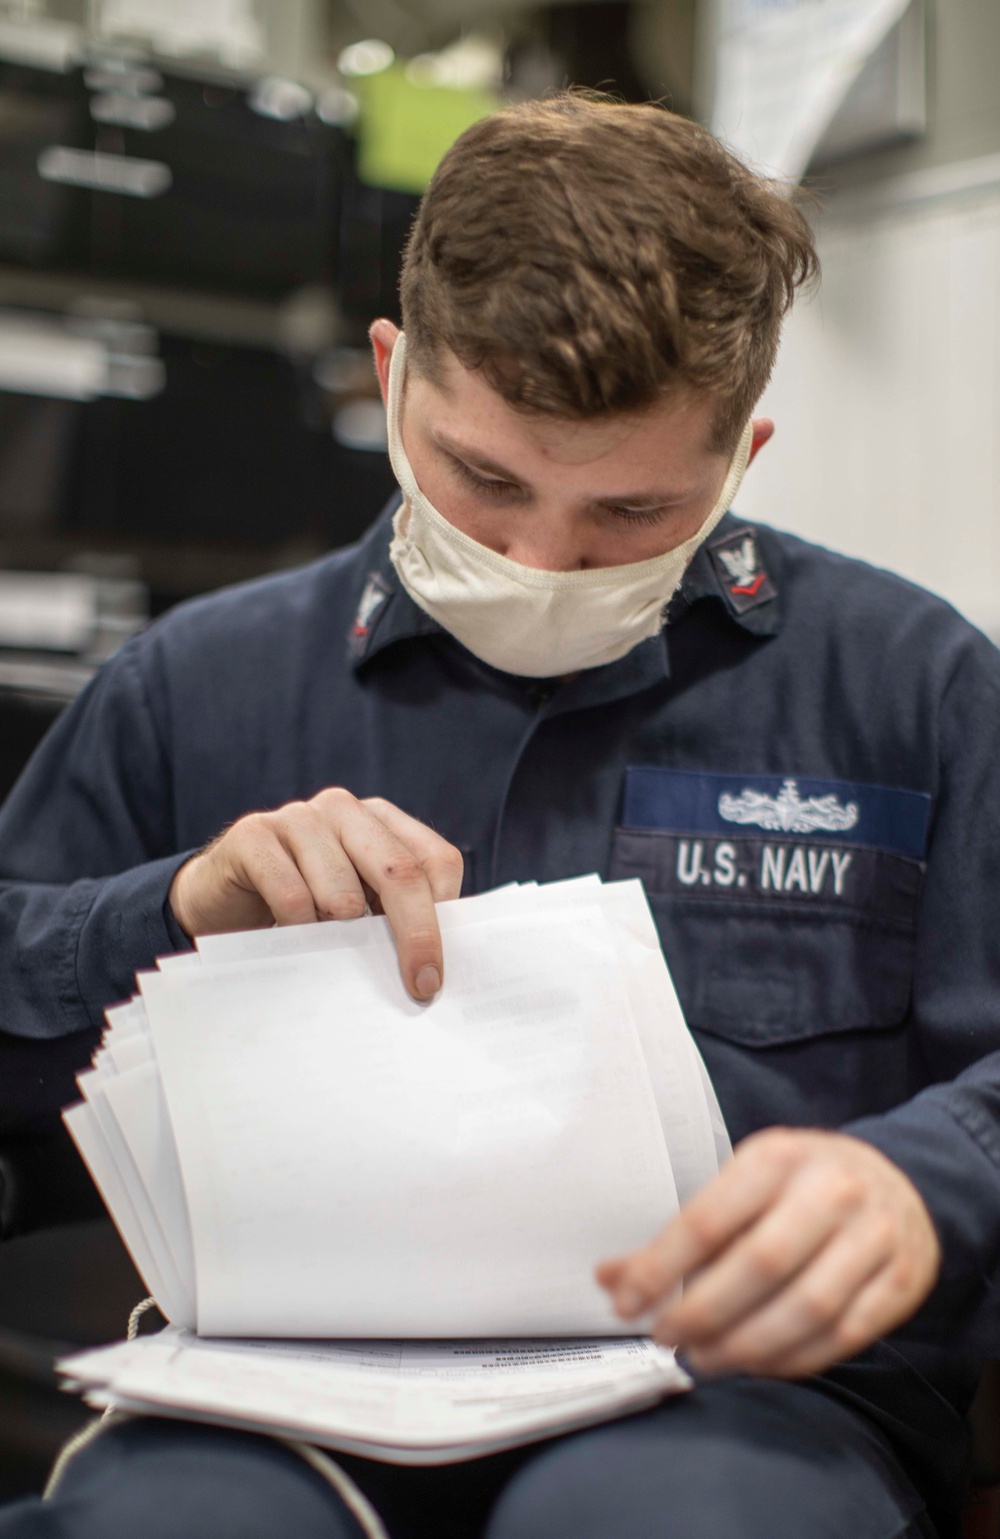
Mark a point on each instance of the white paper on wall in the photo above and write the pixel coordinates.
(782, 68)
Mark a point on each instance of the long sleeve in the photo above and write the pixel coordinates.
(87, 855)
(947, 1138)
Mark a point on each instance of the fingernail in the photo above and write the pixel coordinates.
(427, 981)
(629, 1301)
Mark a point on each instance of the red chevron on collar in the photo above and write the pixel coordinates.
(740, 570)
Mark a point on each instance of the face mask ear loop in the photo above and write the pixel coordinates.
(394, 418)
(737, 469)
(734, 479)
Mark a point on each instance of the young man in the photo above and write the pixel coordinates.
(557, 654)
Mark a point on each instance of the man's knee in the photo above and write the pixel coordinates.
(747, 1461)
(154, 1479)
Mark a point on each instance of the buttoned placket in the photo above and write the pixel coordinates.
(520, 837)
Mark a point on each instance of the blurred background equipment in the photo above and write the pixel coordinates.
(202, 208)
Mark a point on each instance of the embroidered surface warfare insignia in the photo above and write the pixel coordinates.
(827, 812)
(373, 597)
(738, 564)
(787, 813)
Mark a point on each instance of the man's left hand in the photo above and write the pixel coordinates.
(804, 1249)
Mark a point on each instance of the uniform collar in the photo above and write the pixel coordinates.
(739, 567)
(383, 611)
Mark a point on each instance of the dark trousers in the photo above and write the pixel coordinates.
(743, 1459)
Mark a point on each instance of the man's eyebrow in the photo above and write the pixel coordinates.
(474, 458)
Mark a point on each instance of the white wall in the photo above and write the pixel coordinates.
(887, 391)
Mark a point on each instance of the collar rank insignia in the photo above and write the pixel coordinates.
(738, 565)
(373, 598)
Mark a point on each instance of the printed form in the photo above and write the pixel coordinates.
(374, 1222)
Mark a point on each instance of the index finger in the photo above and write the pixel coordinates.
(738, 1195)
(396, 874)
(442, 862)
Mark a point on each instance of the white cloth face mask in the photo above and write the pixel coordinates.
(520, 619)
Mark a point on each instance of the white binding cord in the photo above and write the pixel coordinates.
(76, 1444)
(143, 1306)
(354, 1500)
(92, 1429)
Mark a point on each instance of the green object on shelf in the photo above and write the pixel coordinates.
(404, 129)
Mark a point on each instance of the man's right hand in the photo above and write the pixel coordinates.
(326, 859)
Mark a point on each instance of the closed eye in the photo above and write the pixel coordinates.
(487, 485)
(640, 515)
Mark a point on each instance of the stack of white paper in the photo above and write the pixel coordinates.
(407, 1402)
(292, 1147)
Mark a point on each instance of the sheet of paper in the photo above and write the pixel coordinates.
(137, 1103)
(783, 69)
(408, 1400)
(342, 935)
(692, 1122)
(695, 1131)
(178, 960)
(178, 1300)
(517, 1103)
(127, 1019)
(689, 1111)
(129, 1052)
(85, 1132)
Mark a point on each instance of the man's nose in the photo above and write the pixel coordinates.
(556, 548)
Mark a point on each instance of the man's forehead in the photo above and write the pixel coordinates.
(469, 413)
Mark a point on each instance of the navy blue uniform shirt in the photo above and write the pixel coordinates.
(803, 768)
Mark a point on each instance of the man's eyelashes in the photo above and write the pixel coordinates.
(507, 491)
(485, 484)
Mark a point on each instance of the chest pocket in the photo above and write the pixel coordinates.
(781, 917)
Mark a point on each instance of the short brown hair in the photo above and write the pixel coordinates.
(590, 257)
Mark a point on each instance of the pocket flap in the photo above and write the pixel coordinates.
(774, 940)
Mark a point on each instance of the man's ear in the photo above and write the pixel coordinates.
(383, 336)
(763, 427)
